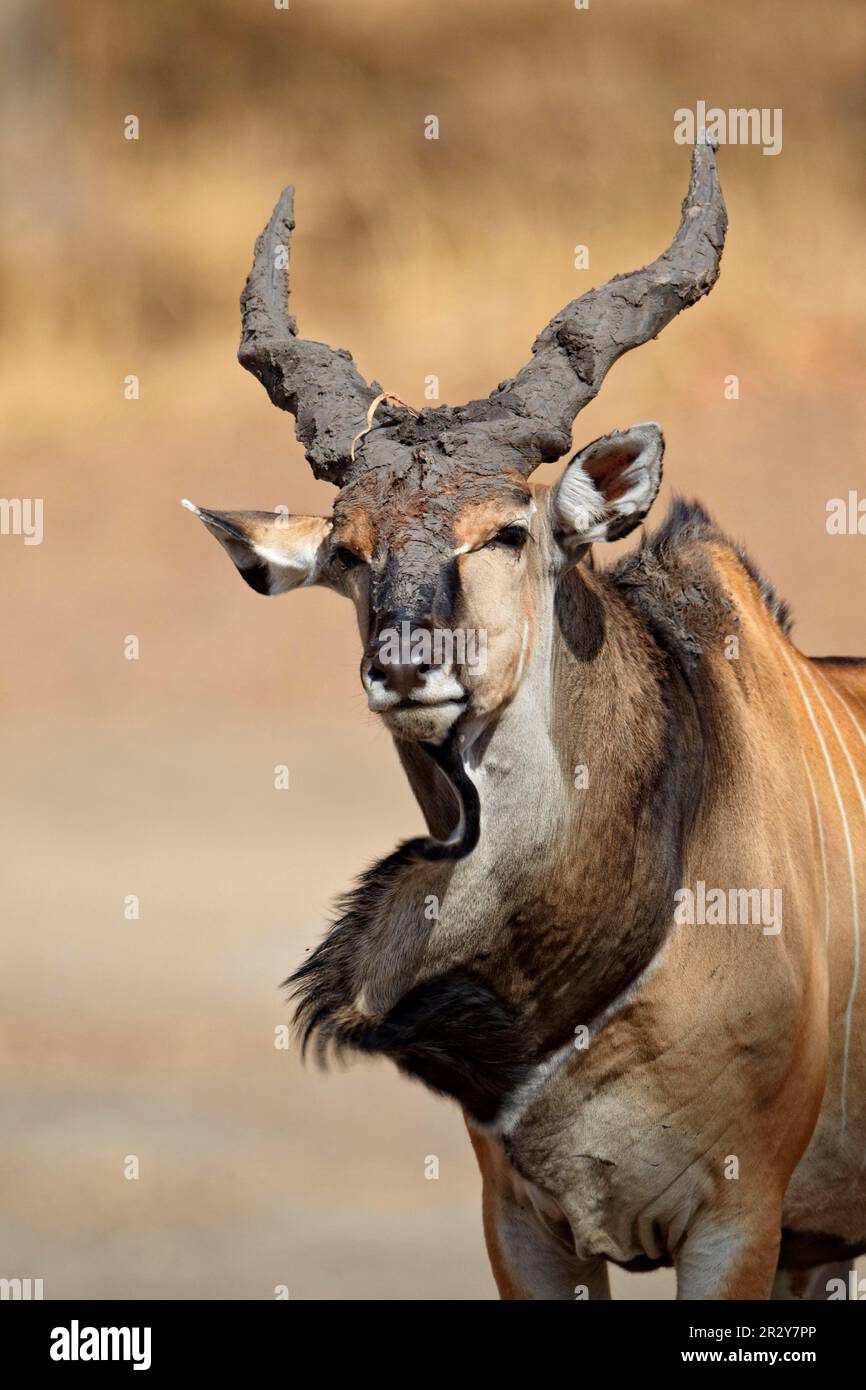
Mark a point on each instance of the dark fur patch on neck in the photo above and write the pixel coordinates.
(458, 1037)
(453, 1032)
(671, 581)
(325, 984)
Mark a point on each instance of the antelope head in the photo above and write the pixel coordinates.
(436, 530)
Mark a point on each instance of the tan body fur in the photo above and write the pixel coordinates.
(734, 1044)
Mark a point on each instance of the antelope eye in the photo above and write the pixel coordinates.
(346, 557)
(514, 537)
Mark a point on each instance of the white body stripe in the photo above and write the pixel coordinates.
(855, 975)
(855, 909)
(822, 843)
(844, 703)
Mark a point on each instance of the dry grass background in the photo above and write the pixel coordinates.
(155, 777)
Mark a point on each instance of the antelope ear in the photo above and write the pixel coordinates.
(608, 488)
(272, 551)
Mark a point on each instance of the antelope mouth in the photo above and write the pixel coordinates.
(423, 721)
(452, 703)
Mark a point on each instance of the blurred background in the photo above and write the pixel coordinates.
(155, 777)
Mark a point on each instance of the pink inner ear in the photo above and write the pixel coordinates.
(607, 469)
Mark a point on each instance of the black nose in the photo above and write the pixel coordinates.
(403, 676)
